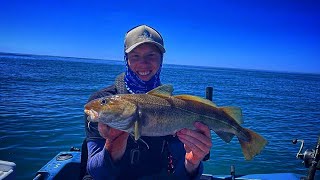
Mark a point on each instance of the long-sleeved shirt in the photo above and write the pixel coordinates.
(149, 157)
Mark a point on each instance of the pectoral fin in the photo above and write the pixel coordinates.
(138, 124)
(136, 130)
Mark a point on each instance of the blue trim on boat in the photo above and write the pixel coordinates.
(66, 165)
(273, 176)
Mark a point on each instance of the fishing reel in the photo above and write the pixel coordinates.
(310, 157)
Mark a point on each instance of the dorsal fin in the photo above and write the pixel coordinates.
(195, 98)
(164, 90)
(234, 112)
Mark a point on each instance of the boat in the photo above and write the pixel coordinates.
(67, 165)
(7, 170)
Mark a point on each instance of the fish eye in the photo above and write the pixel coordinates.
(103, 102)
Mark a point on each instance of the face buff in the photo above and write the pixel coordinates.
(137, 86)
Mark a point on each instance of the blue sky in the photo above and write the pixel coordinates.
(281, 35)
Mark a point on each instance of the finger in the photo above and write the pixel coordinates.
(195, 136)
(119, 139)
(102, 126)
(103, 130)
(204, 143)
(123, 136)
(193, 153)
(191, 146)
(203, 128)
(107, 132)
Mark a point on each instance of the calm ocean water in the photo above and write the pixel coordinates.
(42, 99)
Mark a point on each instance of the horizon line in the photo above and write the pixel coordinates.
(233, 68)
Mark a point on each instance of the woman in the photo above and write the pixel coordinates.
(114, 154)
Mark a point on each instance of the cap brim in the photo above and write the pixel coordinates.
(139, 43)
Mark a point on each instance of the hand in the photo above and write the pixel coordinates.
(197, 144)
(116, 141)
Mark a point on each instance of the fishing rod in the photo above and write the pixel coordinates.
(310, 158)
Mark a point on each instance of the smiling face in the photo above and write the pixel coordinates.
(145, 61)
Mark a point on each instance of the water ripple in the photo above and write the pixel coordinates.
(41, 110)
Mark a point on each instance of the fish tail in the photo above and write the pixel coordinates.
(252, 147)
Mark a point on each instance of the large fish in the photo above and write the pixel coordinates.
(158, 113)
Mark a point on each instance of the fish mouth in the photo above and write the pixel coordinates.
(92, 114)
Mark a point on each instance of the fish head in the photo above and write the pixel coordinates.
(115, 111)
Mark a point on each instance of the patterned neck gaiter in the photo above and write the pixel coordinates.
(137, 86)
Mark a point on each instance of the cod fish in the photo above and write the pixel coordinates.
(159, 113)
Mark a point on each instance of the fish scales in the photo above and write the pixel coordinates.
(158, 113)
(163, 116)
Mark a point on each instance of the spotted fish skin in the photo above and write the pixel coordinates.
(159, 113)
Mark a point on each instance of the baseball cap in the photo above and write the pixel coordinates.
(140, 35)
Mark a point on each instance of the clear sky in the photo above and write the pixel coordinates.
(279, 35)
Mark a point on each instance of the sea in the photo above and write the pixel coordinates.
(42, 100)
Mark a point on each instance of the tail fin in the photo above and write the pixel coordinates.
(253, 146)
